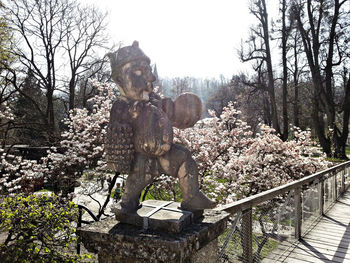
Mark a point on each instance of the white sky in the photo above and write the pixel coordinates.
(196, 38)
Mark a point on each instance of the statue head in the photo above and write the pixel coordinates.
(132, 72)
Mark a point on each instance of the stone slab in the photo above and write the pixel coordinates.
(157, 215)
(119, 242)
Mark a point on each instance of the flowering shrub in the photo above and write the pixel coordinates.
(38, 229)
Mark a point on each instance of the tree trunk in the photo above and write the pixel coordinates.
(296, 85)
(50, 116)
(311, 49)
(71, 93)
(284, 136)
(317, 113)
(339, 148)
(267, 114)
(340, 141)
(271, 81)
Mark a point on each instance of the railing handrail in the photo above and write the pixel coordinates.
(254, 200)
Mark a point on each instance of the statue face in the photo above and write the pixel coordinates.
(137, 80)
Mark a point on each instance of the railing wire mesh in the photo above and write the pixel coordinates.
(272, 224)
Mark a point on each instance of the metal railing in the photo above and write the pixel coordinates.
(81, 221)
(284, 212)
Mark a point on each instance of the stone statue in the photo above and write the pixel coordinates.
(140, 134)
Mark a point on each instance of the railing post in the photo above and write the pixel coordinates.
(343, 181)
(247, 236)
(346, 175)
(298, 212)
(335, 188)
(321, 196)
(79, 225)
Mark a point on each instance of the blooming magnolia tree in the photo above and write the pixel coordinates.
(15, 171)
(83, 140)
(6, 114)
(234, 164)
(82, 146)
(7, 118)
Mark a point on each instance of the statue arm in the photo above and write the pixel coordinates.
(169, 108)
(166, 104)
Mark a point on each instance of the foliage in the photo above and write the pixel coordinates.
(38, 229)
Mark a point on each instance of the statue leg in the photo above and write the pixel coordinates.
(137, 180)
(179, 162)
(134, 185)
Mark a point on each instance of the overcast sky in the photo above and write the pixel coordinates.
(196, 38)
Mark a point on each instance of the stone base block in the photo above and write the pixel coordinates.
(158, 215)
(119, 242)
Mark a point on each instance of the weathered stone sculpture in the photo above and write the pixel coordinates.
(140, 134)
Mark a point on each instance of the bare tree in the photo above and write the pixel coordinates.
(253, 99)
(6, 61)
(180, 85)
(296, 67)
(222, 96)
(99, 70)
(259, 50)
(51, 35)
(281, 30)
(39, 30)
(85, 33)
(285, 31)
(322, 25)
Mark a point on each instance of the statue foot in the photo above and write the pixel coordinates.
(126, 207)
(198, 202)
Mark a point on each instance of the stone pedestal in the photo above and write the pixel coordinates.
(114, 241)
(158, 215)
